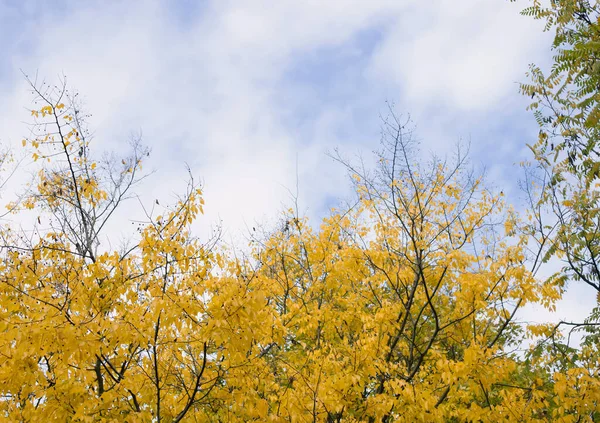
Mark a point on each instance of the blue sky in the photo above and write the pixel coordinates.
(242, 91)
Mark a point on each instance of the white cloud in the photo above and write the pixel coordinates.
(465, 55)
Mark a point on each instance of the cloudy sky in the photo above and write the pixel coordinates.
(246, 92)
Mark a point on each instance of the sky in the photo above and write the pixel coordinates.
(252, 95)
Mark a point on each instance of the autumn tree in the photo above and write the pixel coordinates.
(399, 307)
(92, 334)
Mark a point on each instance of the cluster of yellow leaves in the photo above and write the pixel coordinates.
(48, 109)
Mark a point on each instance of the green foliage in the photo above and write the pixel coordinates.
(566, 98)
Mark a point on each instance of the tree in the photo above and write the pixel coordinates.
(562, 187)
(87, 333)
(567, 153)
(400, 307)
(566, 104)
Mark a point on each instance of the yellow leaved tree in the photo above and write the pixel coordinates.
(88, 333)
(400, 307)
